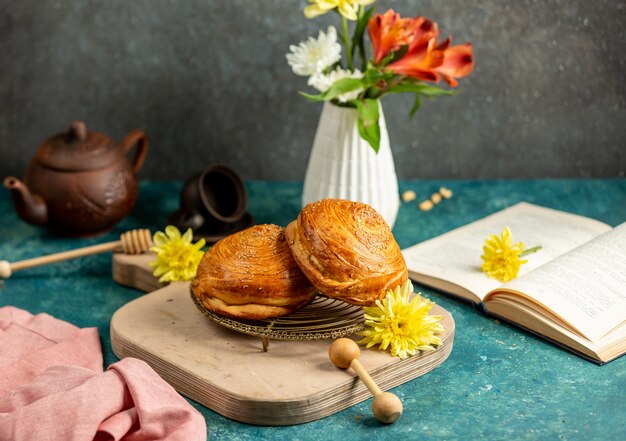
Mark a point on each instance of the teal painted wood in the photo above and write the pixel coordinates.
(499, 382)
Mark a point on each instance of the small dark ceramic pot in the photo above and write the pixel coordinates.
(217, 193)
(212, 200)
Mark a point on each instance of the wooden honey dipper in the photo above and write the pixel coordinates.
(345, 353)
(131, 242)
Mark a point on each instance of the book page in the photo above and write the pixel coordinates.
(455, 256)
(585, 287)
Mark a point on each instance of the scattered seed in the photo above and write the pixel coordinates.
(445, 192)
(409, 196)
(436, 198)
(426, 205)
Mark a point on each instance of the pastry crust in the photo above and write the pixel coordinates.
(346, 250)
(252, 275)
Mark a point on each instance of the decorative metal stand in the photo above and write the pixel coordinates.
(323, 318)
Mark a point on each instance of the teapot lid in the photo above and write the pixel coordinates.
(78, 149)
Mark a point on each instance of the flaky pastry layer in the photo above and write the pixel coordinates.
(250, 311)
(253, 275)
(346, 250)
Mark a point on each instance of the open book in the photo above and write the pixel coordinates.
(572, 291)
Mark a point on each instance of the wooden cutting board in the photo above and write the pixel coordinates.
(293, 382)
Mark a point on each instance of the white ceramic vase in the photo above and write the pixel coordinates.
(343, 165)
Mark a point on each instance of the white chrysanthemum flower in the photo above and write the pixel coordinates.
(322, 82)
(312, 56)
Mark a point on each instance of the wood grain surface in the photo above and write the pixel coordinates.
(228, 372)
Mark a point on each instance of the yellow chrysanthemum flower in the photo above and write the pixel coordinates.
(501, 257)
(347, 8)
(177, 258)
(401, 324)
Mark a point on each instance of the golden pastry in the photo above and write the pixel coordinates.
(346, 250)
(252, 275)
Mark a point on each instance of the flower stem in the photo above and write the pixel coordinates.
(383, 90)
(346, 41)
(360, 42)
(530, 251)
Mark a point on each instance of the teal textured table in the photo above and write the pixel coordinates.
(499, 382)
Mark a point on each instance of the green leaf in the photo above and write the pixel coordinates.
(395, 55)
(368, 122)
(421, 88)
(361, 25)
(315, 98)
(416, 105)
(431, 91)
(375, 82)
(374, 75)
(359, 31)
(342, 86)
(339, 87)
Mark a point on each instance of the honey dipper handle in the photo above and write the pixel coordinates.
(131, 242)
(65, 255)
(365, 377)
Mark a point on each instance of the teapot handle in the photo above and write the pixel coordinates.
(136, 138)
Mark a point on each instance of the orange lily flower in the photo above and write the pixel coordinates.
(388, 32)
(458, 62)
(425, 59)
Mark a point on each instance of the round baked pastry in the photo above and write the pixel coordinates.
(252, 275)
(346, 250)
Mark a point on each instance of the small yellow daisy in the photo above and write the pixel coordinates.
(400, 324)
(347, 8)
(177, 258)
(502, 258)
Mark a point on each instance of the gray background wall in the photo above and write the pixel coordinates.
(208, 81)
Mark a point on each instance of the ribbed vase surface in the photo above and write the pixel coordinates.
(343, 165)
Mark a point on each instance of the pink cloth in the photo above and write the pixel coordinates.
(52, 388)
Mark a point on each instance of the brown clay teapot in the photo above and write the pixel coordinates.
(80, 182)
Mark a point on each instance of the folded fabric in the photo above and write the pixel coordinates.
(30, 344)
(52, 388)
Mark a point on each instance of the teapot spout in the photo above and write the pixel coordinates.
(28, 206)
